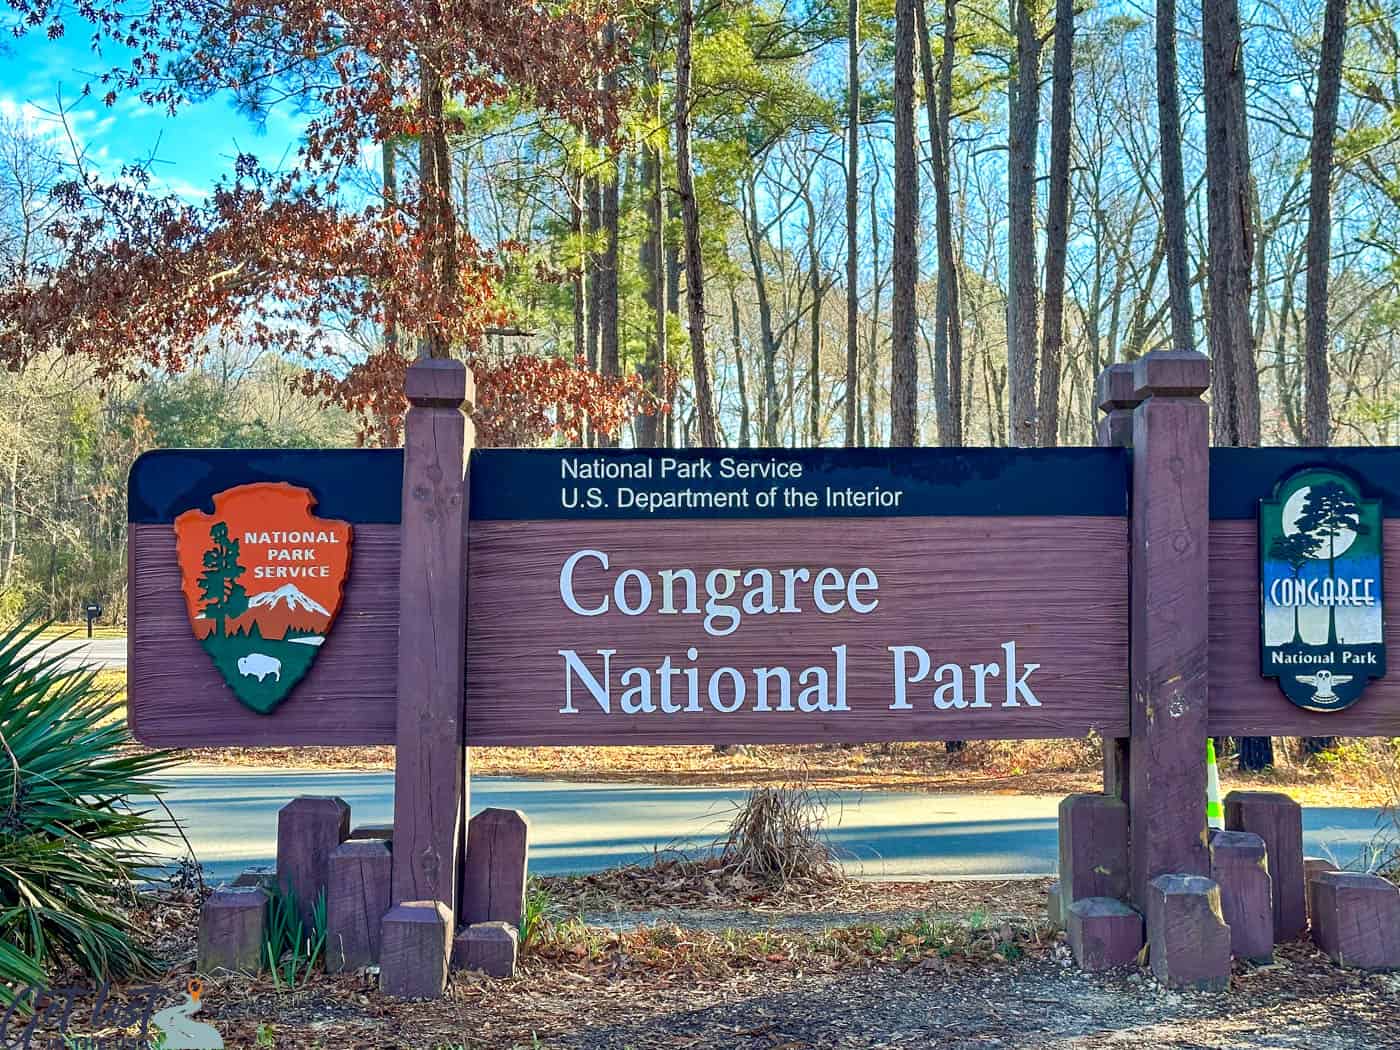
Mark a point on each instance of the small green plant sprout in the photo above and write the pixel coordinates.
(267, 1036)
(537, 907)
(291, 951)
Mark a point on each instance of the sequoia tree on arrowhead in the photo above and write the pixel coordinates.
(281, 260)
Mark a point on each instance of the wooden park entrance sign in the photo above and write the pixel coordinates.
(706, 596)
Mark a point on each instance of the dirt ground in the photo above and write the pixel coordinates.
(967, 964)
(1028, 767)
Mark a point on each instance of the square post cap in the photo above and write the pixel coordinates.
(1171, 373)
(439, 383)
(1115, 388)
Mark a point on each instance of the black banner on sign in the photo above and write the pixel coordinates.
(590, 484)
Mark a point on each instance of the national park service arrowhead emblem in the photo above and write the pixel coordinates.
(263, 579)
(1322, 633)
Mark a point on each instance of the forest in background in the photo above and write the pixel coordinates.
(907, 223)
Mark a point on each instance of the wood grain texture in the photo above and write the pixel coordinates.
(1189, 941)
(429, 768)
(1093, 847)
(1170, 536)
(1242, 702)
(1357, 920)
(231, 930)
(415, 945)
(176, 698)
(309, 829)
(1278, 820)
(1104, 933)
(1240, 867)
(1057, 587)
(357, 898)
(494, 871)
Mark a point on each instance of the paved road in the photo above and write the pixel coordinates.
(100, 652)
(231, 821)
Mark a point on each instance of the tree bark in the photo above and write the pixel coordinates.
(1056, 226)
(852, 229)
(1021, 164)
(437, 220)
(904, 360)
(653, 264)
(1230, 228)
(736, 335)
(690, 222)
(1173, 180)
(814, 364)
(1317, 411)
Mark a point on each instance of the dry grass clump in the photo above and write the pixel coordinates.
(777, 838)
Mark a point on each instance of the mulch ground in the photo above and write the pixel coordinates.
(968, 964)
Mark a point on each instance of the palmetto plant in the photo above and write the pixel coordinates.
(69, 822)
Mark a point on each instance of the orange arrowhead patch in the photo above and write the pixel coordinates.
(263, 579)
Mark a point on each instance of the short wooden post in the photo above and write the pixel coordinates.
(1312, 868)
(430, 771)
(356, 900)
(414, 947)
(1278, 820)
(1189, 942)
(1093, 848)
(231, 930)
(309, 829)
(494, 873)
(1169, 544)
(489, 947)
(1104, 933)
(1239, 865)
(1357, 920)
(1117, 397)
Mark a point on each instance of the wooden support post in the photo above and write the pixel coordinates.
(1278, 820)
(1169, 544)
(430, 763)
(1239, 865)
(430, 766)
(309, 829)
(231, 930)
(356, 900)
(494, 873)
(1117, 397)
(1312, 868)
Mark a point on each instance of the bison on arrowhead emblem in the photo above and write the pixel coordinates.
(263, 579)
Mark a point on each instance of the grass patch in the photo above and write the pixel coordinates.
(78, 631)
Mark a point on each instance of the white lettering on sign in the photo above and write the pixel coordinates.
(729, 594)
(591, 585)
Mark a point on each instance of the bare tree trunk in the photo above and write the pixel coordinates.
(904, 360)
(948, 310)
(814, 276)
(736, 335)
(593, 269)
(609, 348)
(941, 392)
(1021, 295)
(1235, 397)
(436, 221)
(1173, 180)
(1056, 225)
(1324, 132)
(580, 282)
(690, 222)
(653, 263)
(852, 229)
(389, 155)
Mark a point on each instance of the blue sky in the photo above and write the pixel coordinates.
(190, 150)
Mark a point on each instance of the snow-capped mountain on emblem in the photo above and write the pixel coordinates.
(263, 579)
(291, 595)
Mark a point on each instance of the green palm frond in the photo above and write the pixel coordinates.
(72, 817)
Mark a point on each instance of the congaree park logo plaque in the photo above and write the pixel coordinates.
(1320, 589)
(262, 579)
